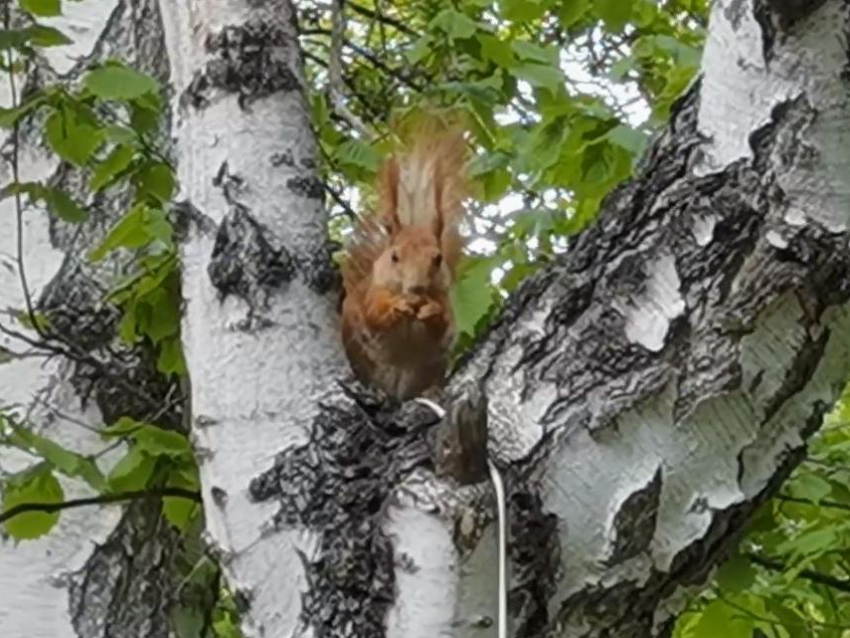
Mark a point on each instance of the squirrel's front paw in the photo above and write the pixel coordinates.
(403, 306)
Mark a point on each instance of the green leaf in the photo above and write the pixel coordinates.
(541, 75)
(719, 619)
(67, 462)
(615, 13)
(420, 49)
(156, 180)
(626, 137)
(472, 294)
(60, 203)
(37, 485)
(42, 36)
(157, 441)
(132, 472)
(170, 360)
(120, 134)
(107, 171)
(812, 542)
(119, 83)
(357, 153)
(455, 24)
(144, 119)
(129, 232)
(683, 55)
(497, 51)
(34, 190)
(13, 38)
(124, 426)
(177, 510)
(572, 11)
(188, 622)
(736, 575)
(165, 315)
(45, 8)
(536, 53)
(8, 117)
(810, 486)
(495, 181)
(543, 146)
(73, 139)
(522, 10)
(36, 35)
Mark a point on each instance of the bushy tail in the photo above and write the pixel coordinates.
(424, 184)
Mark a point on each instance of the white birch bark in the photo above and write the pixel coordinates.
(260, 329)
(646, 394)
(74, 581)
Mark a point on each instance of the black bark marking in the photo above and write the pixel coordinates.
(777, 17)
(185, 218)
(767, 24)
(634, 522)
(125, 587)
(229, 183)
(310, 187)
(245, 262)
(339, 485)
(535, 556)
(252, 60)
(734, 12)
(740, 258)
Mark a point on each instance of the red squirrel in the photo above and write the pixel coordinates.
(397, 321)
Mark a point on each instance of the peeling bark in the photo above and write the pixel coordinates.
(646, 393)
(99, 573)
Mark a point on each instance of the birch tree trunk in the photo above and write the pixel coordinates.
(98, 573)
(646, 393)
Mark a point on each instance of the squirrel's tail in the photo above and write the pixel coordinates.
(425, 184)
(422, 185)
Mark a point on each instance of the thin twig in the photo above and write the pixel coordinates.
(385, 19)
(335, 69)
(19, 210)
(337, 197)
(105, 499)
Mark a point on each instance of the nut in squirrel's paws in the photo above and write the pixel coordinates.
(428, 310)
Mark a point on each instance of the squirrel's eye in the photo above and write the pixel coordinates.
(394, 257)
(438, 259)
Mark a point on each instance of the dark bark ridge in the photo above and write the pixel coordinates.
(250, 60)
(754, 262)
(566, 330)
(253, 61)
(127, 585)
(338, 485)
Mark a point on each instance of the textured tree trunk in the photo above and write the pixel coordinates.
(107, 572)
(645, 394)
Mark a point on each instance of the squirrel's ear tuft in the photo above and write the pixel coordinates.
(387, 186)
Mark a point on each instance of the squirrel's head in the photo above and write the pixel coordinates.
(412, 264)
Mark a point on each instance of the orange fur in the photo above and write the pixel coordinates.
(400, 263)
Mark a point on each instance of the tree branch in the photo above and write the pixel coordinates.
(335, 83)
(49, 508)
(375, 15)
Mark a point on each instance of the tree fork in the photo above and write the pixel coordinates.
(645, 394)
